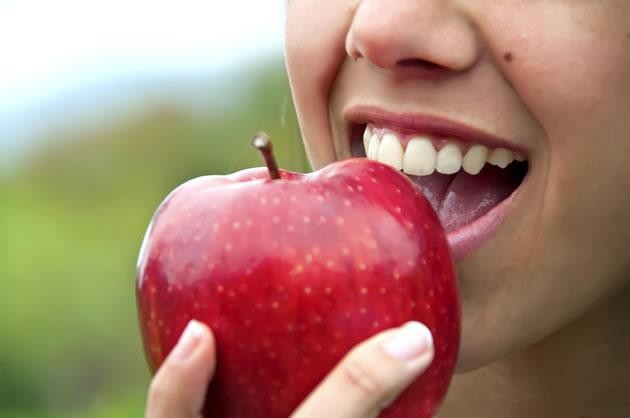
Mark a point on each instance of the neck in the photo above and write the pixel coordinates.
(582, 370)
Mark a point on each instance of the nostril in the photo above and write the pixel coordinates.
(420, 63)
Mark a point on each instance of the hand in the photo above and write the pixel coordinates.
(367, 379)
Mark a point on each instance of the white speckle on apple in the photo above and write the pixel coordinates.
(363, 311)
(383, 290)
(322, 219)
(327, 290)
(231, 294)
(364, 291)
(249, 272)
(345, 251)
(161, 323)
(359, 188)
(211, 266)
(330, 264)
(350, 189)
(169, 289)
(426, 226)
(290, 328)
(398, 191)
(248, 222)
(316, 250)
(228, 247)
(373, 180)
(320, 198)
(274, 305)
(347, 203)
(292, 199)
(340, 221)
(361, 266)
(298, 269)
(398, 209)
(396, 275)
(309, 258)
(290, 228)
(346, 314)
(276, 200)
(215, 226)
(307, 290)
(152, 315)
(375, 324)
(318, 319)
(196, 305)
(423, 261)
(410, 262)
(197, 238)
(236, 225)
(275, 219)
(152, 289)
(409, 225)
(263, 200)
(306, 220)
(220, 288)
(412, 305)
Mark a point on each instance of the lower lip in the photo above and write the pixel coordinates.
(467, 239)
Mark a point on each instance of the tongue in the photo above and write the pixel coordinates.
(462, 198)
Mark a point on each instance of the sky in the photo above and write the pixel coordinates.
(51, 49)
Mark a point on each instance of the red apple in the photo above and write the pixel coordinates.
(292, 272)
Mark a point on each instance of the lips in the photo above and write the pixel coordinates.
(471, 178)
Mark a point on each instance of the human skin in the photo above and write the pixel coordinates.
(546, 305)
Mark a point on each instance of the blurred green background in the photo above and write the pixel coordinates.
(73, 212)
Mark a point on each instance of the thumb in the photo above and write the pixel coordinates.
(178, 389)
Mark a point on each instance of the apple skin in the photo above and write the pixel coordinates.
(290, 274)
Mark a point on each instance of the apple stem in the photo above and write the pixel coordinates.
(263, 143)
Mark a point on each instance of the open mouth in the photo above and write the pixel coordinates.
(468, 183)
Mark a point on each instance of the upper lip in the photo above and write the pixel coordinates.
(410, 123)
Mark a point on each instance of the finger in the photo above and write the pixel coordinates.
(372, 374)
(178, 389)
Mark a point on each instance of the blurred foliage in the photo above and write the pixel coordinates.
(72, 218)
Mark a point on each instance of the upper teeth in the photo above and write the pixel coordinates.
(420, 157)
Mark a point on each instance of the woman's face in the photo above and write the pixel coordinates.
(548, 79)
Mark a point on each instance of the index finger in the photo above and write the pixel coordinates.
(371, 375)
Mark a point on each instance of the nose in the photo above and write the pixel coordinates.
(425, 35)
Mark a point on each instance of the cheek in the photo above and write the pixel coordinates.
(314, 50)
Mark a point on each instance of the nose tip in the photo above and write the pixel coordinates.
(421, 34)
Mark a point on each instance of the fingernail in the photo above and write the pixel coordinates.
(188, 341)
(409, 342)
